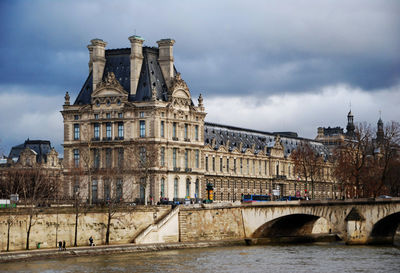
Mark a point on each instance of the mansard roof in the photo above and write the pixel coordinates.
(118, 62)
(41, 147)
(259, 139)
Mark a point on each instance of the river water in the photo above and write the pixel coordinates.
(290, 258)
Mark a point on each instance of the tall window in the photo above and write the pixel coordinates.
(265, 167)
(206, 163)
(227, 164)
(174, 151)
(107, 190)
(220, 164)
(186, 130)
(176, 188)
(162, 152)
(186, 158)
(248, 166)
(162, 129)
(108, 130)
(196, 132)
(142, 189)
(259, 167)
(241, 165)
(120, 130)
(119, 188)
(213, 164)
(94, 191)
(188, 188)
(162, 186)
(254, 166)
(108, 157)
(76, 157)
(197, 157)
(174, 130)
(76, 132)
(96, 157)
(142, 128)
(76, 186)
(96, 132)
(197, 188)
(234, 165)
(142, 154)
(277, 169)
(120, 157)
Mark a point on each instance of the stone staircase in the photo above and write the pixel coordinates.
(165, 230)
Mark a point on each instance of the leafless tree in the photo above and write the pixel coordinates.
(308, 163)
(10, 183)
(37, 187)
(143, 161)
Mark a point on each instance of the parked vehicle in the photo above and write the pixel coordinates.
(290, 198)
(250, 198)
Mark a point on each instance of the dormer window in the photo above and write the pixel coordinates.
(120, 115)
(108, 102)
(119, 102)
(76, 117)
(97, 103)
(108, 115)
(141, 114)
(96, 116)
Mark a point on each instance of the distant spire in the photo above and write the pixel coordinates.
(380, 134)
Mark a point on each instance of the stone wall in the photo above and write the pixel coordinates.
(210, 224)
(126, 224)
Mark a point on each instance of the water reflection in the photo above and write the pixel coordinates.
(291, 258)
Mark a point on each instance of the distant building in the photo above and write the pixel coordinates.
(33, 152)
(334, 136)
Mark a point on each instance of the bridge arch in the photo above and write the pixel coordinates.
(293, 225)
(383, 231)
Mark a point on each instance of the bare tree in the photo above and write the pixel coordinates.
(308, 163)
(10, 183)
(144, 160)
(384, 161)
(89, 159)
(352, 162)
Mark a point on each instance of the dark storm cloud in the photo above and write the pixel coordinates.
(223, 48)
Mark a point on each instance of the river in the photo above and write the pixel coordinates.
(279, 258)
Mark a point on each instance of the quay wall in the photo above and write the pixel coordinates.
(51, 225)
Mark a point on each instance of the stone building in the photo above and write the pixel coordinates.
(133, 99)
(334, 137)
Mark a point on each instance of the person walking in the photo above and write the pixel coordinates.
(91, 241)
(63, 245)
(59, 245)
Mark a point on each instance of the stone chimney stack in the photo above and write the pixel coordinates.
(136, 61)
(166, 59)
(97, 60)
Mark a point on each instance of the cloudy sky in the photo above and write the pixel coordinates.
(266, 65)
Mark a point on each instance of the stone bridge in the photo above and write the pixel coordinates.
(361, 221)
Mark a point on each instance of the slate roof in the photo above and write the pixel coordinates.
(249, 137)
(118, 62)
(41, 147)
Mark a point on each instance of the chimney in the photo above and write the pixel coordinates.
(166, 59)
(136, 61)
(97, 60)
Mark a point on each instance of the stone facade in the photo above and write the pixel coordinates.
(135, 98)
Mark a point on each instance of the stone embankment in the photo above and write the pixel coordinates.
(110, 249)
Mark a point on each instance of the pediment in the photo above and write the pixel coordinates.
(109, 87)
